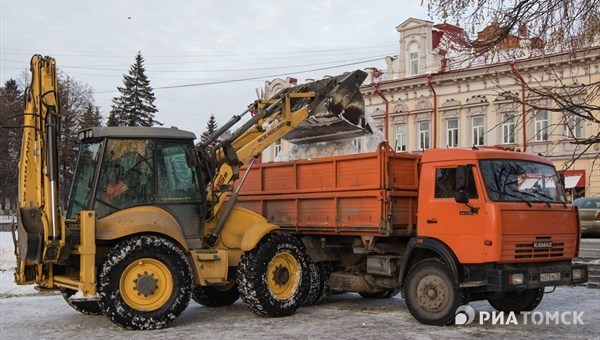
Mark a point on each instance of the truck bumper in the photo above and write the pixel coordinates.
(536, 277)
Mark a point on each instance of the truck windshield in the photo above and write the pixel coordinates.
(524, 181)
(84, 178)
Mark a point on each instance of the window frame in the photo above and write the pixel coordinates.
(478, 131)
(424, 135)
(401, 138)
(508, 129)
(452, 133)
(413, 62)
(541, 126)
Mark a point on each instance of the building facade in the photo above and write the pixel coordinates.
(434, 95)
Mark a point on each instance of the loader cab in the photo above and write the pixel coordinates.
(127, 167)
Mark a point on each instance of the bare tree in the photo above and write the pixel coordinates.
(560, 32)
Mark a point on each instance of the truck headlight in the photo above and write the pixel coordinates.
(578, 274)
(516, 279)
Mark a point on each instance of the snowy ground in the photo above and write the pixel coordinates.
(26, 314)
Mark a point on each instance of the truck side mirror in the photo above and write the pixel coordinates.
(461, 178)
(461, 197)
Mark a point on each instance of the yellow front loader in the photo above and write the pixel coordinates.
(151, 221)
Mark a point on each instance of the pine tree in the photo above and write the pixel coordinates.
(211, 127)
(11, 105)
(91, 117)
(135, 106)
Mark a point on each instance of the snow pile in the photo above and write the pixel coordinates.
(343, 147)
(8, 287)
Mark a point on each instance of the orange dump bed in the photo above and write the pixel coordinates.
(371, 194)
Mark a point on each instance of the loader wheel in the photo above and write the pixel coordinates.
(516, 301)
(216, 296)
(319, 280)
(385, 294)
(273, 277)
(84, 307)
(145, 282)
(430, 294)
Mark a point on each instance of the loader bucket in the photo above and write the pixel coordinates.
(337, 111)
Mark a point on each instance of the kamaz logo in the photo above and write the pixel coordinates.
(546, 244)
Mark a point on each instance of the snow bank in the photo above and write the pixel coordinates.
(7, 264)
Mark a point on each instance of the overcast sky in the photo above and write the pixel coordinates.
(199, 42)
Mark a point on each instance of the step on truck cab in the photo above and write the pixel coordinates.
(445, 228)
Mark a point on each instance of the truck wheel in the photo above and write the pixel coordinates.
(315, 284)
(516, 301)
(145, 282)
(319, 284)
(84, 307)
(216, 296)
(385, 294)
(273, 277)
(326, 269)
(430, 294)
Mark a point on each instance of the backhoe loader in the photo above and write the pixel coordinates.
(152, 221)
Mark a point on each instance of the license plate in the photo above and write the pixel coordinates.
(549, 277)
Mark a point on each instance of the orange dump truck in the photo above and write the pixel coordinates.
(445, 228)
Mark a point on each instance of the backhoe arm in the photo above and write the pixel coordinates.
(40, 226)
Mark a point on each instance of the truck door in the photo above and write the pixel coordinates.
(440, 216)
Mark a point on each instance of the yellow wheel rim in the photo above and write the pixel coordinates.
(146, 284)
(283, 275)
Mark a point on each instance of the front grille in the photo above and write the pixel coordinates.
(529, 251)
(522, 247)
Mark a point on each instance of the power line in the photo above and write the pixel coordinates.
(251, 78)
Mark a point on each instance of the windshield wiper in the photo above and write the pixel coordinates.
(550, 198)
(512, 195)
(534, 196)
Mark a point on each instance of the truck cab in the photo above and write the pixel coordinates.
(502, 218)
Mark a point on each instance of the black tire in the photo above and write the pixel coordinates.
(319, 284)
(273, 277)
(430, 293)
(145, 282)
(215, 296)
(326, 269)
(516, 301)
(384, 294)
(84, 307)
(314, 274)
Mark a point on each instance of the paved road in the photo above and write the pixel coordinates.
(345, 316)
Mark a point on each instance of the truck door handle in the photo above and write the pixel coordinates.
(432, 221)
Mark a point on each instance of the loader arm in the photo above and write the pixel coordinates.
(328, 109)
(41, 229)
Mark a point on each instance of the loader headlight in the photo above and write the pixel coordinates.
(85, 134)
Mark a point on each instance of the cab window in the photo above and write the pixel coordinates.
(125, 176)
(445, 183)
(177, 178)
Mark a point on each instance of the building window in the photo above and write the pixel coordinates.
(541, 126)
(277, 147)
(424, 135)
(508, 129)
(401, 137)
(414, 63)
(574, 126)
(477, 123)
(452, 133)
